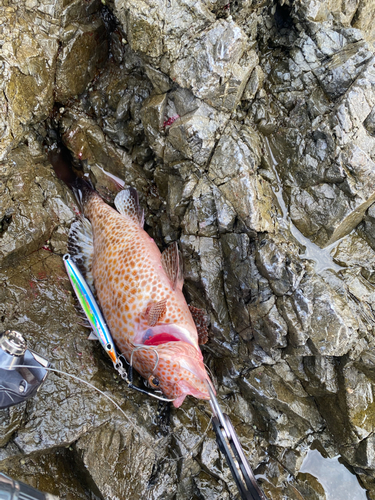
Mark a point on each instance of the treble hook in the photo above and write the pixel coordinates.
(129, 381)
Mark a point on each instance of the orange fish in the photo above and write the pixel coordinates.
(140, 293)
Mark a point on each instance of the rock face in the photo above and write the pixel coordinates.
(248, 130)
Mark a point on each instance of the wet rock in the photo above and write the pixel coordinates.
(200, 217)
(193, 136)
(159, 80)
(343, 68)
(277, 263)
(254, 83)
(180, 111)
(354, 251)
(322, 375)
(182, 182)
(359, 400)
(36, 205)
(240, 286)
(334, 324)
(269, 328)
(57, 472)
(155, 29)
(366, 229)
(186, 49)
(365, 453)
(296, 310)
(233, 170)
(27, 81)
(153, 114)
(84, 52)
(87, 142)
(47, 49)
(215, 66)
(310, 486)
(362, 19)
(277, 393)
(203, 259)
(105, 453)
(331, 154)
(11, 421)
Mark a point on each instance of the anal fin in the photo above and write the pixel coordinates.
(172, 264)
(156, 311)
(201, 322)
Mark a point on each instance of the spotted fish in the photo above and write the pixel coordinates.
(140, 293)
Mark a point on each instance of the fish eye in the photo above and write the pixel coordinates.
(154, 382)
(108, 346)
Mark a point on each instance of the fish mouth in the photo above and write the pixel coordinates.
(196, 383)
(161, 338)
(171, 333)
(188, 388)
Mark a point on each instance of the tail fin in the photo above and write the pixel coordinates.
(82, 190)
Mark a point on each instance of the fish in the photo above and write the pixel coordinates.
(139, 290)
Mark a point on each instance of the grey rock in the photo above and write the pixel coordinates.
(254, 83)
(159, 80)
(27, 74)
(82, 55)
(334, 325)
(365, 453)
(154, 29)
(37, 204)
(153, 115)
(206, 253)
(200, 218)
(287, 405)
(330, 154)
(215, 67)
(344, 67)
(359, 390)
(233, 169)
(276, 262)
(193, 135)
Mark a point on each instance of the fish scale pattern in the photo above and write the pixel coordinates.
(129, 278)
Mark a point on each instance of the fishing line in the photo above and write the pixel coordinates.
(176, 459)
(103, 394)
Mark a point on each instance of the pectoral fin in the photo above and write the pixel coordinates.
(172, 264)
(92, 336)
(156, 311)
(201, 322)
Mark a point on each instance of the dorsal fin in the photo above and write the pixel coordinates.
(172, 264)
(127, 203)
(201, 322)
(156, 311)
(81, 248)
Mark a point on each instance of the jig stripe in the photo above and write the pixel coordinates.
(90, 307)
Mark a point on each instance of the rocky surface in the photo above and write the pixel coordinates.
(248, 129)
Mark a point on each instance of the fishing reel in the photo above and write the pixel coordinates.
(15, 490)
(22, 371)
